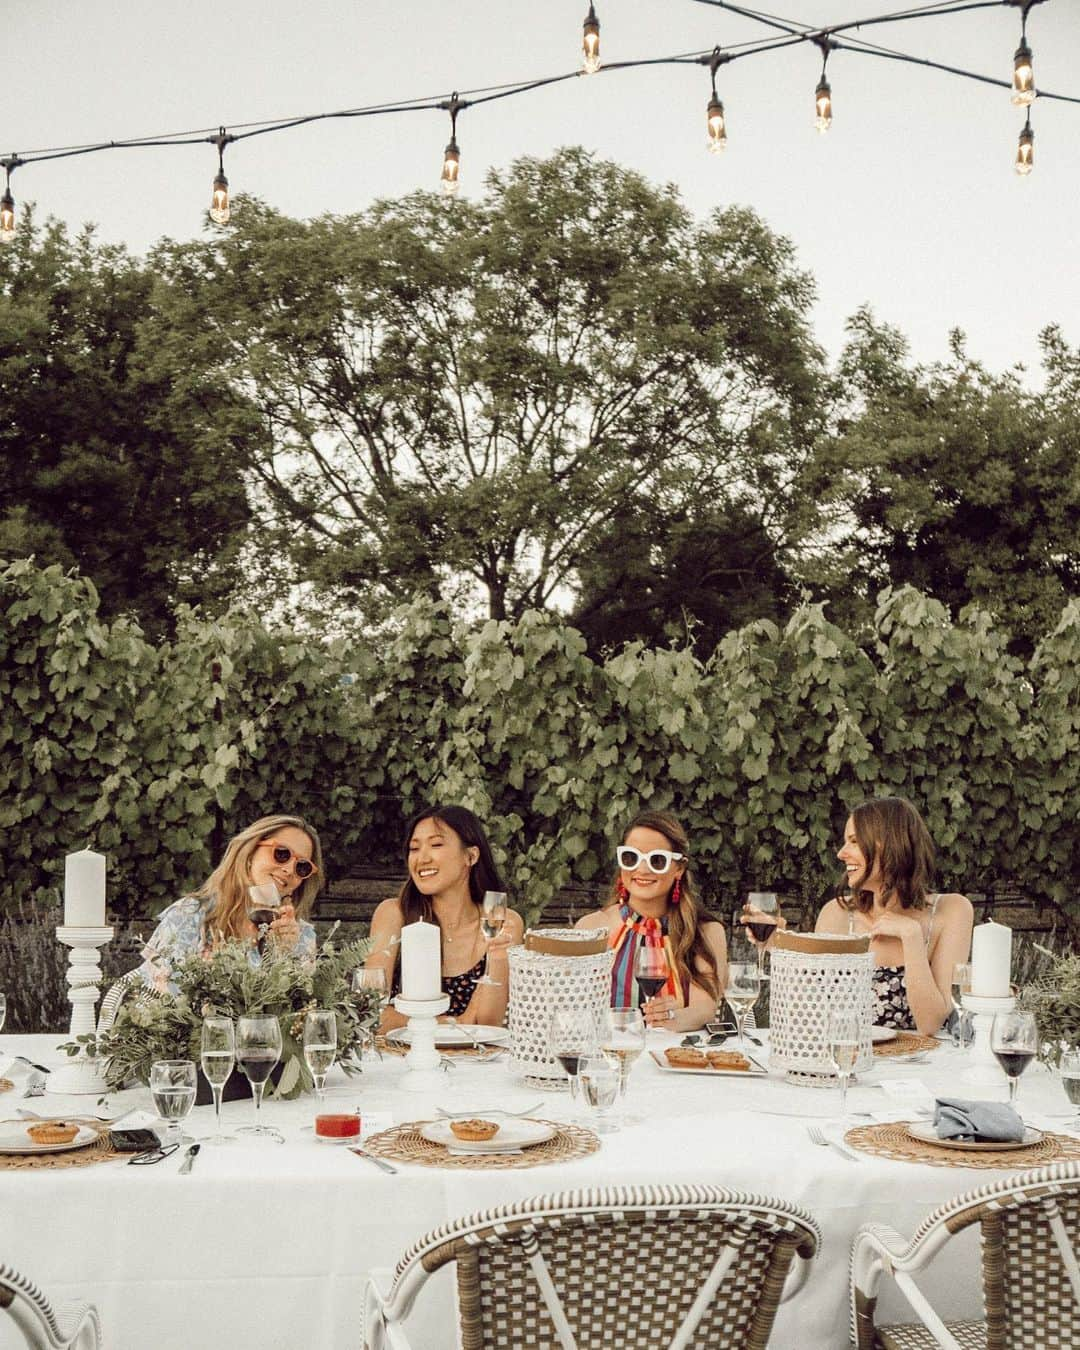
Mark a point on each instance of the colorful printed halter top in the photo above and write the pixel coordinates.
(624, 941)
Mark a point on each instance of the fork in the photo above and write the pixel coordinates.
(467, 1115)
(818, 1137)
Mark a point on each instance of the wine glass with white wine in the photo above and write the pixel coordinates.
(172, 1086)
(217, 1049)
(492, 918)
(844, 1030)
(320, 1047)
(1070, 1081)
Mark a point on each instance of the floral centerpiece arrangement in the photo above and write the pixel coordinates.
(151, 1025)
(1054, 1000)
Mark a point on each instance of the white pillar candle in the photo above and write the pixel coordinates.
(84, 890)
(991, 961)
(421, 961)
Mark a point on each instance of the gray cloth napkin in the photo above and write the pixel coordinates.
(955, 1119)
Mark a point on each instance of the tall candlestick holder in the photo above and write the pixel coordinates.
(983, 1069)
(422, 1072)
(81, 1075)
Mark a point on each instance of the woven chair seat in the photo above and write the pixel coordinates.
(1030, 1229)
(914, 1336)
(616, 1268)
(72, 1326)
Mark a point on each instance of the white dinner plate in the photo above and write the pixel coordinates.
(925, 1131)
(879, 1035)
(513, 1132)
(14, 1138)
(754, 1071)
(448, 1035)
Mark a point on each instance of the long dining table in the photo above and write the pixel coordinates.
(269, 1245)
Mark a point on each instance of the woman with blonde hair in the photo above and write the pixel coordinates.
(281, 850)
(654, 902)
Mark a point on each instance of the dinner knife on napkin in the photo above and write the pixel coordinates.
(189, 1159)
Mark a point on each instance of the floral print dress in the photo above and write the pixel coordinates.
(889, 989)
(182, 931)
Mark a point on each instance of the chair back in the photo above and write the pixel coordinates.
(76, 1327)
(657, 1266)
(110, 1004)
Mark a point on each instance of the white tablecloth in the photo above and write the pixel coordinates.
(266, 1245)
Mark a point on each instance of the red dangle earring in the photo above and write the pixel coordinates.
(676, 891)
(621, 893)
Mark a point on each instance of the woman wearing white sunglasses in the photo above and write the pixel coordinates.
(654, 905)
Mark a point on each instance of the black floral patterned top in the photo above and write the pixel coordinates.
(459, 987)
(889, 990)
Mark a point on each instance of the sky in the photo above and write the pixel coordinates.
(909, 204)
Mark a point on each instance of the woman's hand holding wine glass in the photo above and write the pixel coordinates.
(258, 1049)
(651, 973)
(492, 918)
(760, 920)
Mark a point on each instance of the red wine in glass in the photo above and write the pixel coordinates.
(762, 931)
(1014, 1062)
(570, 1063)
(650, 985)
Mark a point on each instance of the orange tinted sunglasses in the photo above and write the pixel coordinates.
(303, 867)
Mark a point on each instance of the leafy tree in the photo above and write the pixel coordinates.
(469, 394)
(95, 475)
(961, 483)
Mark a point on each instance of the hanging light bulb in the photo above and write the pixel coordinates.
(7, 217)
(451, 167)
(7, 201)
(220, 211)
(714, 119)
(1023, 80)
(590, 42)
(1025, 150)
(823, 105)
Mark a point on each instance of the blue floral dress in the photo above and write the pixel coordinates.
(182, 931)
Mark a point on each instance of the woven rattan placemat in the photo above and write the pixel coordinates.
(405, 1143)
(906, 1043)
(893, 1141)
(100, 1150)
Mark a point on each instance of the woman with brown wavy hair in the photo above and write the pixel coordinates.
(653, 901)
(280, 849)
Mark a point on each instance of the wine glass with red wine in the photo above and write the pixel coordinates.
(650, 971)
(572, 1037)
(1014, 1040)
(263, 907)
(763, 923)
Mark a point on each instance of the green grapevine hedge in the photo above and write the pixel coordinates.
(154, 754)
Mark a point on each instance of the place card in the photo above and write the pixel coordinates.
(910, 1093)
(374, 1122)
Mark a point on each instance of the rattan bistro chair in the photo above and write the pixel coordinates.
(1031, 1281)
(127, 984)
(615, 1268)
(72, 1327)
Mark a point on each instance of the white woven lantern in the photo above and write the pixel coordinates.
(555, 968)
(811, 975)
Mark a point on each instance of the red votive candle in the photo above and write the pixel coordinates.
(337, 1128)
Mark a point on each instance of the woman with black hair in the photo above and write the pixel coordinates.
(450, 866)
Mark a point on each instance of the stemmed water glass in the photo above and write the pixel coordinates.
(218, 1053)
(572, 1035)
(961, 985)
(1070, 1081)
(741, 992)
(258, 1049)
(622, 1038)
(492, 918)
(374, 978)
(600, 1079)
(1014, 1040)
(320, 1046)
(844, 1030)
(172, 1086)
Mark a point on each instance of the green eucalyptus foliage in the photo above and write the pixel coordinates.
(1054, 999)
(155, 754)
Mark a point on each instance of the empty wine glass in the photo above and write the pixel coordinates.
(961, 985)
(1070, 1081)
(320, 1046)
(741, 992)
(492, 918)
(172, 1086)
(843, 1034)
(373, 980)
(600, 1078)
(572, 1035)
(258, 1049)
(218, 1054)
(1014, 1040)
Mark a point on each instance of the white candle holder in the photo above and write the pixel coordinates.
(423, 1073)
(983, 1069)
(81, 1075)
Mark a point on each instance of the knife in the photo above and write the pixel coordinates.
(371, 1158)
(189, 1159)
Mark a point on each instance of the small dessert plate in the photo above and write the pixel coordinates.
(879, 1035)
(924, 1130)
(14, 1139)
(512, 1134)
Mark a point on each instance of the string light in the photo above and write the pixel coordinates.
(7, 201)
(1023, 80)
(714, 113)
(823, 92)
(590, 42)
(220, 211)
(1025, 150)
(452, 155)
